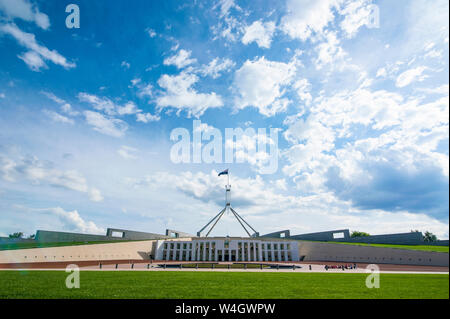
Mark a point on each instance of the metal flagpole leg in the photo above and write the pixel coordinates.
(223, 211)
(198, 233)
(242, 219)
(234, 213)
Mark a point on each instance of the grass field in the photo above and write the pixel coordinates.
(441, 249)
(181, 285)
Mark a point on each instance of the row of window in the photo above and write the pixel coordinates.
(226, 255)
(264, 246)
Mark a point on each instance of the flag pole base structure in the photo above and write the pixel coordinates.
(228, 208)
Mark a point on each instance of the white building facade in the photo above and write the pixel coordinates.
(217, 249)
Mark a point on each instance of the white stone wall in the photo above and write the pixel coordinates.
(111, 251)
(316, 251)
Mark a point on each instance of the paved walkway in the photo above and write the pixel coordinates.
(303, 269)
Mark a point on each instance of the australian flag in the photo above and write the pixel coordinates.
(225, 172)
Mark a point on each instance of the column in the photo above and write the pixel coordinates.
(204, 251)
(210, 250)
(259, 252)
(254, 251)
(248, 251)
(194, 251)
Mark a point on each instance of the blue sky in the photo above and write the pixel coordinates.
(357, 90)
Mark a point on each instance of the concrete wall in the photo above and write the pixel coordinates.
(437, 243)
(133, 235)
(279, 234)
(177, 234)
(323, 236)
(111, 251)
(7, 240)
(411, 238)
(316, 251)
(45, 236)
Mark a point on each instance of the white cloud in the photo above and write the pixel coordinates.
(127, 152)
(98, 103)
(259, 32)
(34, 58)
(229, 29)
(95, 195)
(179, 94)
(399, 143)
(180, 60)
(25, 10)
(357, 14)
(40, 172)
(329, 51)
(106, 105)
(105, 125)
(260, 83)
(56, 117)
(410, 76)
(151, 32)
(215, 67)
(443, 89)
(65, 107)
(303, 88)
(305, 18)
(147, 117)
(72, 221)
(143, 89)
(125, 65)
(226, 6)
(128, 108)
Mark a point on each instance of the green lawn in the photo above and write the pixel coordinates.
(441, 249)
(197, 284)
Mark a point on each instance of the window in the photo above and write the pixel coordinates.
(118, 234)
(275, 246)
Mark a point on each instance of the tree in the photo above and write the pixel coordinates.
(16, 235)
(358, 234)
(32, 236)
(429, 237)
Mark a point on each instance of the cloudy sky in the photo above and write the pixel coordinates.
(357, 91)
